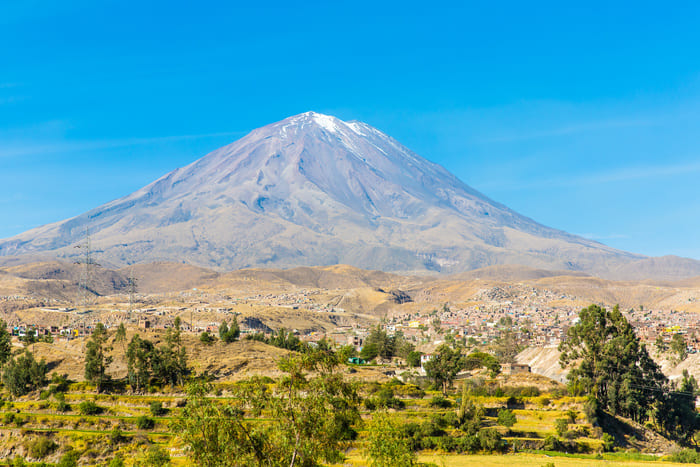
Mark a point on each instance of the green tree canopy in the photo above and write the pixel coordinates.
(608, 362)
(96, 358)
(311, 411)
(444, 366)
(24, 374)
(386, 444)
(227, 333)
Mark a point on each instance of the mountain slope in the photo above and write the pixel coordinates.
(314, 190)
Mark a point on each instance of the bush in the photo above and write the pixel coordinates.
(145, 423)
(69, 459)
(156, 456)
(383, 398)
(157, 409)
(490, 440)
(561, 425)
(89, 408)
(608, 442)
(686, 456)
(552, 443)
(206, 338)
(440, 402)
(116, 436)
(506, 418)
(409, 390)
(41, 447)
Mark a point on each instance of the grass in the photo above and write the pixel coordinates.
(526, 460)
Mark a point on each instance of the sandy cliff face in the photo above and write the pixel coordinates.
(314, 190)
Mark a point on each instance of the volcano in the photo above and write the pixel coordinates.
(315, 190)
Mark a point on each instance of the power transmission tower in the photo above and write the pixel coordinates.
(85, 293)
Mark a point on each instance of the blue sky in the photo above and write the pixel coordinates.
(584, 118)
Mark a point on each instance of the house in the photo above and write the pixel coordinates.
(514, 368)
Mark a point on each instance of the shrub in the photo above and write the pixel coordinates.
(552, 443)
(41, 447)
(206, 338)
(506, 418)
(383, 398)
(490, 440)
(157, 409)
(608, 442)
(89, 408)
(69, 459)
(62, 406)
(116, 436)
(686, 456)
(145, 423)
(440, 402)
(156, 456)
(561, 425)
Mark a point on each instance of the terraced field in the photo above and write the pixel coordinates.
(100, 427)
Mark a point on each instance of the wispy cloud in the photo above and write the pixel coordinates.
(19, 149)
(597, 178)
(612, 236)
(569, 129)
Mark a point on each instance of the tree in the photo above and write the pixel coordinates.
(206, 338)
(24, 374)
(29, 337)
(676, 414)
(5, 343)
(138, 359)
(379, 339)
(169, 360)
(346, 352)
(679, 347)
(120, 336)
(608, 362)
(314, 415)
(482, 360)
(444, 366)
(561, 425)
(660, 344)
(96, 360)
(227, 333)
(311, 417)
(506, 345)
(286, 340)
(217, 435)
(166, 363)
(386, 444)
(369, 351)
(413, 359)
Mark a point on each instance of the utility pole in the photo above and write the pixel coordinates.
(84, 296)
